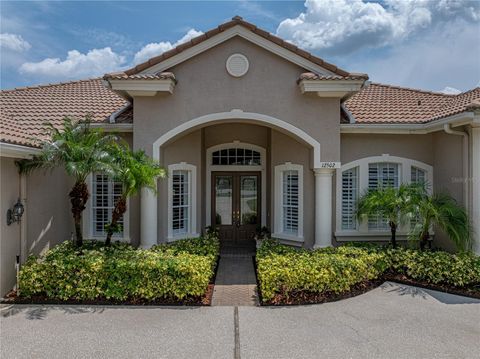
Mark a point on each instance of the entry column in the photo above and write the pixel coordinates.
(148, 218)
(323, 207)
(475, 215)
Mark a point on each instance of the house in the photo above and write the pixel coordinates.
(254, 132)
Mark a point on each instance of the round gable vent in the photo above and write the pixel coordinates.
(237, 65)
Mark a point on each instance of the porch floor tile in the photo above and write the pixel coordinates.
(235, 284)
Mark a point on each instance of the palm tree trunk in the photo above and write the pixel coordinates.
(78, 199)
(424, 240)
(118, 211)
(393, 230)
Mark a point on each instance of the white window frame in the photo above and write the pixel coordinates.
(278, 204)
(232, 168)
(404, 176)
(192, 182)
(88, 229)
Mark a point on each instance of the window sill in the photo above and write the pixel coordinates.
(114, 239)
(287, 237)
(356, 236)
(182, 236)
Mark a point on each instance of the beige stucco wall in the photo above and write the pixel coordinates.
(48, 209)
(10, 235)
(269, 88)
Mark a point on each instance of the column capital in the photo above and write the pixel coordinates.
(324, 172)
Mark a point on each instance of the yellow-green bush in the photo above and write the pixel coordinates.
(121, 272)
(283, 270)
(286, 270)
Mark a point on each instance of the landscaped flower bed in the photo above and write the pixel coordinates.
(178, 273)
(293, 276)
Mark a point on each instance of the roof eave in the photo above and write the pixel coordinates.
(460, 119)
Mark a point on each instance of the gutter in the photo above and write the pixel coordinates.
(465, 163)
(460, 119)
(17, 151)
(113, 127)
(114, 115)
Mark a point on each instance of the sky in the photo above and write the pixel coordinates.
(427, 44)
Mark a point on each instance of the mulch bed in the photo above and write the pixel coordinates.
(204, 300)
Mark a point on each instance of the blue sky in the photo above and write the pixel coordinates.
(422, 44)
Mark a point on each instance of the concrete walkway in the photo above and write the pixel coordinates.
(392, 321)
(235, 284)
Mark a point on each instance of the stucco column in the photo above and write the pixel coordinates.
(475, 216)
(323, 207)
(148, 218)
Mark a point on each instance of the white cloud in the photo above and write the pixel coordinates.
(450, 91)
(14, 42)
(77, 65)
(343, 26)
(156, 48)
(447, 56)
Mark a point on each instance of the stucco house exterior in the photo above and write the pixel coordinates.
(254, 132)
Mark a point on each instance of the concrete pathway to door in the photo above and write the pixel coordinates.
(235, 284)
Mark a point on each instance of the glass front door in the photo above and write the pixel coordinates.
(236, 205)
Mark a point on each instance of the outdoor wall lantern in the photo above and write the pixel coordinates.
(15, 214)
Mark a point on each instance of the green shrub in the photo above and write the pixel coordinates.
(283, 270)
(286, 270)
(121, 272)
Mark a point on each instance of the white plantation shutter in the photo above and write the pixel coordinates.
(180, 201)
(105, 194)
(349, 198)
(417, 175)
(381, 174)
(290, 202)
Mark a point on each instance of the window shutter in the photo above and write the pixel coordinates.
(349, 198)
(290, 202)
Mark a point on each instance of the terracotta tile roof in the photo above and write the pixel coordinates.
(237, 20)
(378, 103)
(124, 76)
(316, 77)
(24, 111)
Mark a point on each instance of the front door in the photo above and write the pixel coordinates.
(236, 205)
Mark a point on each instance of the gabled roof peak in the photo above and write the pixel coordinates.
(236, 20)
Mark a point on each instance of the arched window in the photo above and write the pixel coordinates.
(356, 177)
(236, 157)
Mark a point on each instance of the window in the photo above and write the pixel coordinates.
(289, 202)
(381, 175)
(236, 157)
(367, 173)
(105, 194)
(349, 198)
(181, 201)
(418, 175)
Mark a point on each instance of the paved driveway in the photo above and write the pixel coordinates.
(389, 322)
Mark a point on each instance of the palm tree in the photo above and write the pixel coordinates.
(393, 204)
(443, 211)
(135, 170)
(81, 150)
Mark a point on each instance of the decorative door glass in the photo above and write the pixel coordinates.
(248, 199)
(223, 200)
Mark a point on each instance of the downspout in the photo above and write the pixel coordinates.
(448, 129)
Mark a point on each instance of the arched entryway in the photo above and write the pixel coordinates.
(322, 177)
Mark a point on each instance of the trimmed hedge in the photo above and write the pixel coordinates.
(285, 270)
(121, 272)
